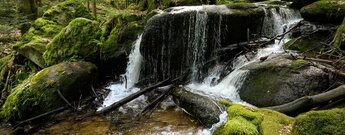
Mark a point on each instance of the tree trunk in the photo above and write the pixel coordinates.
(94, 9)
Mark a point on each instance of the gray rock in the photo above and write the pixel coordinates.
(203, 108)
(279, 80)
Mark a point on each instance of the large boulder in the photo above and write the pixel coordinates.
(203, 108)
(279, 80)
(79, 40)
(339, 39)
(185, 37)
(39, 93)
(330, 122)
(324, 11)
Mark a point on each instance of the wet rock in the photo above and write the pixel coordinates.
(279, 80)
(79, 40)
(324, 11)
(175, 40)
(311, 42)
(39, 93)
(203, 108)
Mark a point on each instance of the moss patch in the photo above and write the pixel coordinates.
(297, 64)
(250, 121)
(79, 40)
(339, 39)
(66, 11)
(327, 122)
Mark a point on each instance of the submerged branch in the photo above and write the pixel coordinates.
(133, 96)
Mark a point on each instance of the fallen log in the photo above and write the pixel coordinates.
(308, 102)
(133, 96)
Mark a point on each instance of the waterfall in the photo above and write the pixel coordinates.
(126, 87)
(276, 21)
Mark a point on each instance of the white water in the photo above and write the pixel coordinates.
(123, 89)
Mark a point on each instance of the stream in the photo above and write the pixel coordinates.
(167, 118)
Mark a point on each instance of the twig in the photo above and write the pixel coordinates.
(40, 116)
(64, 99)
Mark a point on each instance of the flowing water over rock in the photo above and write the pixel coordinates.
(187, 37)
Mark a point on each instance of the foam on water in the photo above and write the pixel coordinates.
(126, 87)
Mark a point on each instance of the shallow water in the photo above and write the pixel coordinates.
(170, 121)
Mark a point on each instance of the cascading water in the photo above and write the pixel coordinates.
(276, 21)
(125, 87)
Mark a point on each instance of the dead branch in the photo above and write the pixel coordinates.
(40, 116)
(65, 100)
(157, 101)
(282, 35)
(308, 102)
(133, 96)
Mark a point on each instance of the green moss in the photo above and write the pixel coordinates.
(310, 43)
(325, 11)
(79, 40)
(38, 93)
(33, 50)
(339, 39)
(239, 126)
(297, 64)
(250, 121)
(327, 122)
(66, 11)
(26, 101)
(119, 32)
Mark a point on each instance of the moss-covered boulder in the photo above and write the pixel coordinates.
(300, 3)
(244, 120)
(78, 40)
(324, 11)
(66, 11)
(39, 93)
(279, 80)
(201, 107)
(32, 44)
(339, 39)
(326, 122)
(311, 42)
